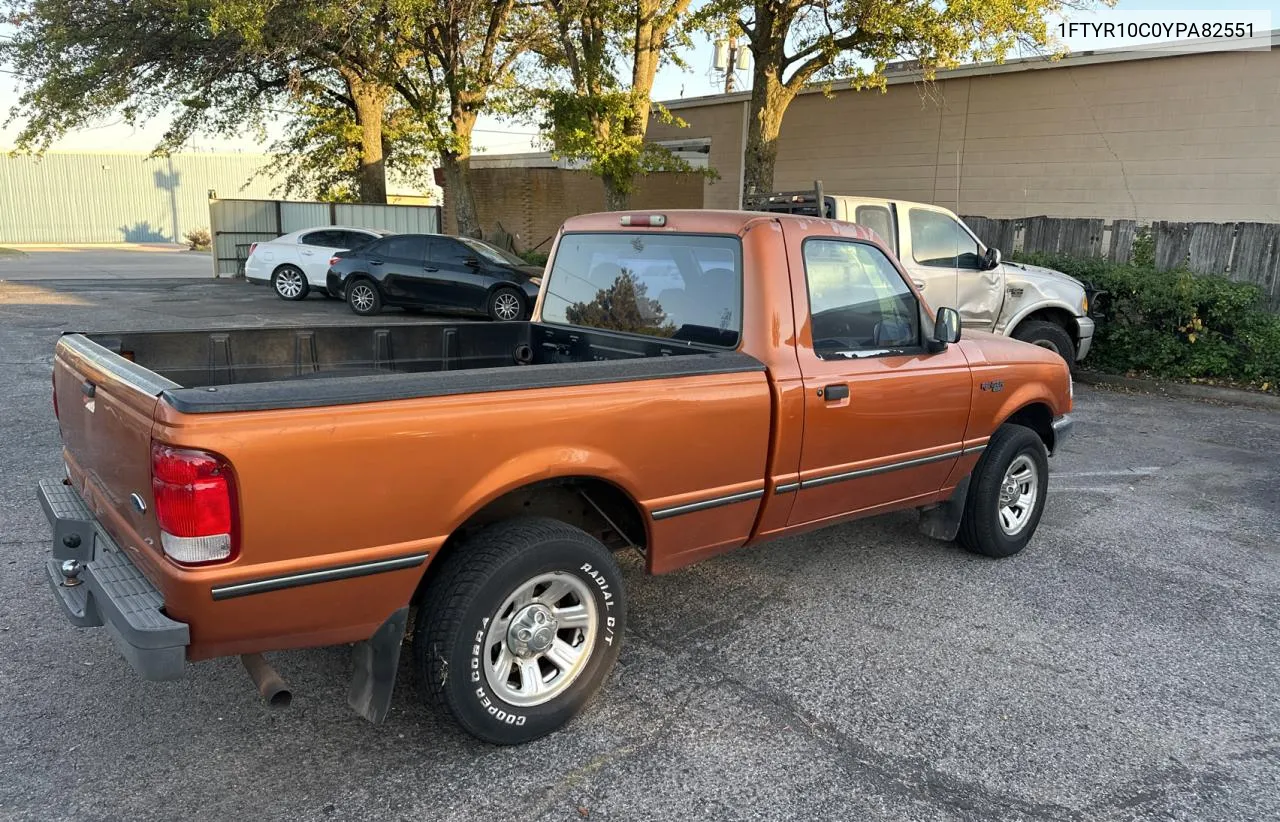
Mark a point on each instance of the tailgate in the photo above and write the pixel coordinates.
(106, 405)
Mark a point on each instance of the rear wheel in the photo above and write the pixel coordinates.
(519, 628)
(289, 283)
(1048, 335)
(1006, 493)
(505, 305)
(363, 298)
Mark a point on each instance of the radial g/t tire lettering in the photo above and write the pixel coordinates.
(519, 628)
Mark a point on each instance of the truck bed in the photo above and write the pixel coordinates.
(296, 367)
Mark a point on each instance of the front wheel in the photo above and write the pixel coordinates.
(363, 298)
(505, 305)
(1048, 335)
(1006, 493)
(519, 628)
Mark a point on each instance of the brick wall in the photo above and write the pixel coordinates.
(531, 203)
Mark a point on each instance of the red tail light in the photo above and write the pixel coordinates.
(55, 396)
(194, 495)
(334, 261)
(252, 247)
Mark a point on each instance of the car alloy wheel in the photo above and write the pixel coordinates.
(506, 306)
(362, 297)
(289, 283)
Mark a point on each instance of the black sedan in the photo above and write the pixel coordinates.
(431, 271)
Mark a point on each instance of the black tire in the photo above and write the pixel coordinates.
(363, 297)
(500, 301)
(452, 642)
(1048, 335)
(981, 531)
(289, 283)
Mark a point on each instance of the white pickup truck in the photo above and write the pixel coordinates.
(954, 268)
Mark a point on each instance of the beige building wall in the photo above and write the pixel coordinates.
(1190, 137)
(532, 202)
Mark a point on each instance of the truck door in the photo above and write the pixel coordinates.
(941, 247)
(884, 419)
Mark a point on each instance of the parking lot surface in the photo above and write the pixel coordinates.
(45, 263)
(1126, 666)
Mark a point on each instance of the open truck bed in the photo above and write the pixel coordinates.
(258, 369)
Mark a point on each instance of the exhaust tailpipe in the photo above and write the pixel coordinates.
(273, 690)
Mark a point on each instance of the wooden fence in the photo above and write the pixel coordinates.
(1245, 252)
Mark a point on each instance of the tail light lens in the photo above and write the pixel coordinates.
(252, 248)
(54, 378)
(194, 494)
(334, 260)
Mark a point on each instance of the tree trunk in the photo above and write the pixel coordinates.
(769, 101)
(370, 105)
(457, 173)
(617, 193)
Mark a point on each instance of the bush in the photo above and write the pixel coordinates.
(534, 257)
(1175, 324)
(198, 239)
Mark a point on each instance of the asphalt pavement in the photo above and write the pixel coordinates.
(1125, 666)
(123, 262)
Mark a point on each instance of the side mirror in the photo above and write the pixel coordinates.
(992, 259)
(946, 329)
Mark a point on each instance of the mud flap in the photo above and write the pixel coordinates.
(942, 521)
(375, 661)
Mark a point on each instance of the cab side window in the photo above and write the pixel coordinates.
(938, 240)
(857, 299)
(878, 220)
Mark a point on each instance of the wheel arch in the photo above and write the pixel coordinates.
(1058, 313)
(600, 507)
(1036, 415)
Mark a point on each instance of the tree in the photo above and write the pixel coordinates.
(205, 66)
(466, 53)
(624, 306)
(596, 116)
(798, 42)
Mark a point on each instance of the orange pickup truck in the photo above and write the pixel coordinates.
(691, 382)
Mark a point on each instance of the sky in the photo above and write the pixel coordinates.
(497, 137)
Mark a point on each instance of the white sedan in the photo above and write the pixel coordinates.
(297, 262)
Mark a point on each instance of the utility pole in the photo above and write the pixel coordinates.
(730, 55)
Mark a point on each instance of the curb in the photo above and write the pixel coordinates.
(1231, 396)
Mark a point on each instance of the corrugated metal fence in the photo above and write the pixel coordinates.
(1244, 252)
(236, 224)
(118, 197)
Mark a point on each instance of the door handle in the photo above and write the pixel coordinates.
(375, 262)
(430, 269)
(838, 391)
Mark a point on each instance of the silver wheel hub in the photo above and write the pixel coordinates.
(1019, 491)
(539, 641)
(507, 306)
(289, 283)
(362, 297)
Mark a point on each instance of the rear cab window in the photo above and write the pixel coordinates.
(679, 286)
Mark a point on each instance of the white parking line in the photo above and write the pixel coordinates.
(1127, 472)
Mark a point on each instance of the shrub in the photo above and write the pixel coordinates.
(1175, 324)
(198, 239)
(534, 257)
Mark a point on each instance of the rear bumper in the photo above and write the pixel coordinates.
(1085, 325)
(112, 592)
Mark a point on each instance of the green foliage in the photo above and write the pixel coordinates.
(1176, 324)
(1143, 253)
(198, 239)
(532, 257)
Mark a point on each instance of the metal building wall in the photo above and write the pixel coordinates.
(236, 224)
(119, 197)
